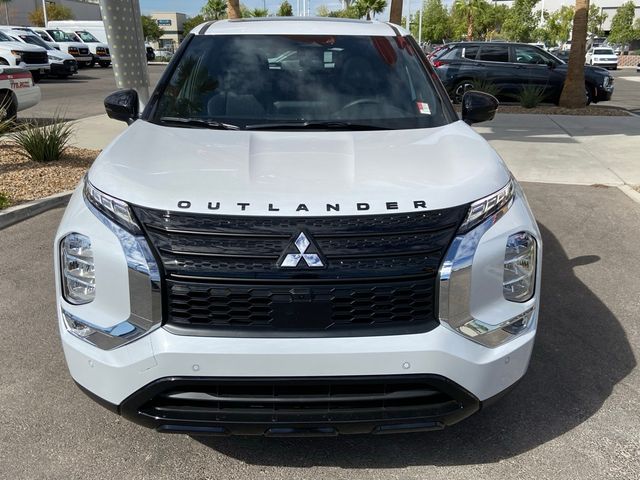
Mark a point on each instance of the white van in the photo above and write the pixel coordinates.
(94, 27)
(65, 43)
(100, 51)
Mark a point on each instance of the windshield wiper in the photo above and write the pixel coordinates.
(199, 122)
(337, 125)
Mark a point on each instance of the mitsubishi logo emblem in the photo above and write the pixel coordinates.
(302, 248)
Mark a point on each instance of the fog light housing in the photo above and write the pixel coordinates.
(519, 276)
(78, 269)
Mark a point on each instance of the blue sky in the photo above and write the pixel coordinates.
(192, 7)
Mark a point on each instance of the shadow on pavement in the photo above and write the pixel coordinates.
(581, 353)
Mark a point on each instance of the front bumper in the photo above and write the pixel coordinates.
(69, 67)
(130, 377)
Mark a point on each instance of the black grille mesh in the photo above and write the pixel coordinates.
(223, 277)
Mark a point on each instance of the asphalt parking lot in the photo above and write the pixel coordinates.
(575, 415)
(81, 95)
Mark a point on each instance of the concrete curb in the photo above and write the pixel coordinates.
(630, 192)
(13, 215)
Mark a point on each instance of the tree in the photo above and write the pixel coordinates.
(395, 12)
(150, 29)
(573, 92)
(465, 13)
(557, 28)
(352, 11)
(622, 30)
(435, 21)
(597, 17)
(54, 12)
(192, 22)
(285, 10)
(233, 9)
(214, 9)
(259, 12)
(521, 22)
(323, 11)
(369, 7)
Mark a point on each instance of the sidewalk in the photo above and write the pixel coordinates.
(537, 148)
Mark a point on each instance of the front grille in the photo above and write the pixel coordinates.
(84, 51)
(256, 405)
(35, 58)
(222, 274)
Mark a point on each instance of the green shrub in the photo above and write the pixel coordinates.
(4, 201)
(531, 96)
(44, 143)
(485, 86)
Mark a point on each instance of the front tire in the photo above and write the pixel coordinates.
(105, 64)
(92, 63)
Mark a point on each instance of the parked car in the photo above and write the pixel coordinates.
(511, 66)
(100, 51)
(17, 54)
(61, 64)
(298, 251)
(602, 57)
(17, 91)
(64, 42)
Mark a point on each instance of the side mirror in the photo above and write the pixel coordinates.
(478, 107)
(551, 64)
(123, 105)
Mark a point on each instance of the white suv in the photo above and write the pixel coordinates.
(298, 236)
(17, 54)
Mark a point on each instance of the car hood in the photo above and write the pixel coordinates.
(23, 47)
(298, 173)
(589, 70)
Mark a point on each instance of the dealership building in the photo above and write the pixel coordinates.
(173, 25)
(16, 12)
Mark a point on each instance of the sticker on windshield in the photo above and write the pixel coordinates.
(423, 108)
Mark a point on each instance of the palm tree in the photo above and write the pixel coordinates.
(470, 9)
(395, 13)
(233, 9)
(573, 92)
(368, 7)
(213, 9)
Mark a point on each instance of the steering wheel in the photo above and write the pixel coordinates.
(361, 101)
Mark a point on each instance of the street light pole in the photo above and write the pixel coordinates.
(408, 16)
(44, 12)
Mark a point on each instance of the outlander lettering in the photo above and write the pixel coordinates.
(298, 236)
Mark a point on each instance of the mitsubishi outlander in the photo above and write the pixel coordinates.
(298, 235)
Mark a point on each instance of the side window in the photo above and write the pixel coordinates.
(494, 53)
(453, 54)
(470, 52)
(529, 55)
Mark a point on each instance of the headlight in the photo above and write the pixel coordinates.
(79, 282)
(115, 209)
(519, 277)
(55, 59)
(518, 282)
(73, 51)
(77, 267)
(487, 206)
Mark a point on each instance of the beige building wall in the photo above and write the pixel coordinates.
(173, 25)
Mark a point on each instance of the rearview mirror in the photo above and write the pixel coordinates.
(123, 105)
(478, 107)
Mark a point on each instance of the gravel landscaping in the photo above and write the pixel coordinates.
(23, 180)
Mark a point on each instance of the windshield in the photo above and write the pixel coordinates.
(60, 36)
(262, 80)
(603, 51)
(87, 37)
(34, 40)
(5, 38)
